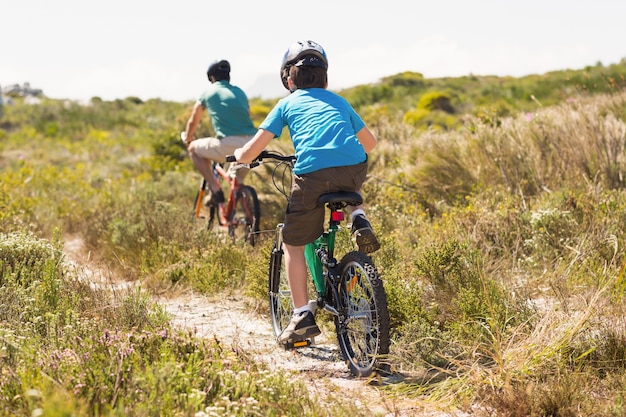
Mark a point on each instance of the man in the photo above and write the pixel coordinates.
(229, 111)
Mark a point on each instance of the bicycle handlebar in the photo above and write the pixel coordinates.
(281, 182)
(291, 159)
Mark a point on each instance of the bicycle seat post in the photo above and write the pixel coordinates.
(336, 215)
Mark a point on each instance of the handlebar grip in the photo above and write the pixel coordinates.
(231, 158)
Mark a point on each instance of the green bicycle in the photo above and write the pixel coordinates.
(350, 290)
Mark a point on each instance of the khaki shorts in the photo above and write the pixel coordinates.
(217, 149)
(304, 220)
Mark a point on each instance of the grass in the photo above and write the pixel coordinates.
(502, 258)
(69, 348)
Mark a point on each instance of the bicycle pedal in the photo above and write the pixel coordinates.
(297, 345)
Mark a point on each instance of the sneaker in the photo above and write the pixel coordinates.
(301, 327)
(365, 237)
(215, 198)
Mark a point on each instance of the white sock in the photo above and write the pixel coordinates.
(356, 213)
(297, 311)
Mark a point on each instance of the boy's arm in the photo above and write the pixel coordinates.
(366, 138)
(254, 146)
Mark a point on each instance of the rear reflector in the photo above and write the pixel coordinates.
(337, 216)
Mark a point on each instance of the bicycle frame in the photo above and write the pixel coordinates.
(225, 214)
(320, 253)
(240, 212)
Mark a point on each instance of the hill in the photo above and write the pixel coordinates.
(442, 102)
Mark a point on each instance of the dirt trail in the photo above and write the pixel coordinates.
(233, 322)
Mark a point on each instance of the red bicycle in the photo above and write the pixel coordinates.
(241, 211)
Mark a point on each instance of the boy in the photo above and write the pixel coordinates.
(331, 143)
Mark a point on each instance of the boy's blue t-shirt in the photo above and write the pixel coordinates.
(323, 127)
(228, 109)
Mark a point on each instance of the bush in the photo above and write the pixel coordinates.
(24, 258)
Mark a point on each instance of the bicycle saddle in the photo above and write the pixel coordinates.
(348, 197)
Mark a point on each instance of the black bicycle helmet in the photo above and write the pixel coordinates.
(302, 53)
(219, 68)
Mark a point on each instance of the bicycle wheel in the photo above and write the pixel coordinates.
(364, 333)
(281, 306)
(245, 222)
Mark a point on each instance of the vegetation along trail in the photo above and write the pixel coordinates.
(499, 204)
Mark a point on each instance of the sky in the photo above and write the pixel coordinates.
(79, 49)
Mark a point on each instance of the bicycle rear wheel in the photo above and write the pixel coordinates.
(363, 335)
(281, 305)
(245, 222)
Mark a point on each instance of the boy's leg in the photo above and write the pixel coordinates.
(302, 325)
(295, 265)
(304, 222)
(351, 178)
(362, 229)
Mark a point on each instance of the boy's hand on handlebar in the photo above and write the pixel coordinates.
(237, 155)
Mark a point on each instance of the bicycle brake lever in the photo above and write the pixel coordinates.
(234, 167)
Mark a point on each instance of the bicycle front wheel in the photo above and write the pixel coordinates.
(245, 221)
(281, 305)
(363, 334)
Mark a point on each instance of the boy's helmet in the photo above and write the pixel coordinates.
(220, 66)
(302, 53)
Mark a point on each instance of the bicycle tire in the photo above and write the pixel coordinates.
(281, 305)
(247, 214)
(196, 209)
(212, 215)
(364, 337)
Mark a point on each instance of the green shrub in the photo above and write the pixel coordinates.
(25, 259)
(465, 301)
(436, 101)
(168, 154)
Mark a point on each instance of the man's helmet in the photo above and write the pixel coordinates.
(302, 53)
(219, 69)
